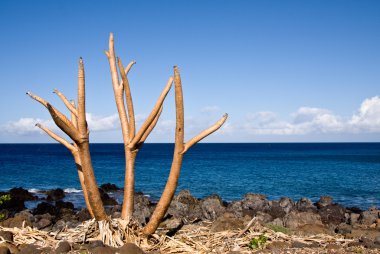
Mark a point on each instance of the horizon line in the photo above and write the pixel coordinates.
(259, 142)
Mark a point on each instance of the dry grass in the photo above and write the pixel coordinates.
(190, 239)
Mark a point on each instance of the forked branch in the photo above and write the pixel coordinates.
(59, 118)
(118, 90)
(179, 150)
(150, 128)
(152, 115)
(64, 124)
(75, 152)
(132, 142)
(77, 130)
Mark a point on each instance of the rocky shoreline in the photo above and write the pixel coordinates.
(302, 218)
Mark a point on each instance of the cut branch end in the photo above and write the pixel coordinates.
(129, 67)
(36, 98)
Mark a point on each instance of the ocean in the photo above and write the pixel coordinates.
(349, 172)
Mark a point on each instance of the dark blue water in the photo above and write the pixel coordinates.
(349, 172)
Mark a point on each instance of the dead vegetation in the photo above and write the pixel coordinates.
(190, 239)
(76, 128)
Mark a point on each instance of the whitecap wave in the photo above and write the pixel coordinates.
(34, 190)
(72, 190)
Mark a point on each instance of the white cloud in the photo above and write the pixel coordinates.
(98, 123)
(305, 114)
(307, 120)
(303, 122)
(318, 120)
(25, 126)
(367, 118)
(264, 123)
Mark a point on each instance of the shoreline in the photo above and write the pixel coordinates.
(75, 196)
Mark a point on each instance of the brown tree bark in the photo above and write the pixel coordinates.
(74, 151)
(179, 150)
(84, 151)
(76, 129)
(132, 141)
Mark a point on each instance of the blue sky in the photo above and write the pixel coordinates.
(285, 71)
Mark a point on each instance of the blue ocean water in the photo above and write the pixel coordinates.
(349, 172)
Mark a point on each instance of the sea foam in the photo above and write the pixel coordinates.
(33, 190)
(72, 190)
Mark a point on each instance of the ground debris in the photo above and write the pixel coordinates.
(194, 238)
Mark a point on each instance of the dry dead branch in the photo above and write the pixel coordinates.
(179, 150)
(132, 141)
(76, 129)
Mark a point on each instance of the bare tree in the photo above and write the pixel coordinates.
(132, 141)
(76, 129)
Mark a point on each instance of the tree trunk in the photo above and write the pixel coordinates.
(171, 184)
(94, 199)
(81, 180)
(129, 186)
(167, 195)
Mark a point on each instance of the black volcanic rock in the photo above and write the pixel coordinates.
(184, 205)
(109, 187)
(45, 207)
(61, 204)
(212, 207)
(55, 195)
(17, 198)
(255, 203)
(107, 200)
(21, 194)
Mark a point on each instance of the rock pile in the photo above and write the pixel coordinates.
(302, 217)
